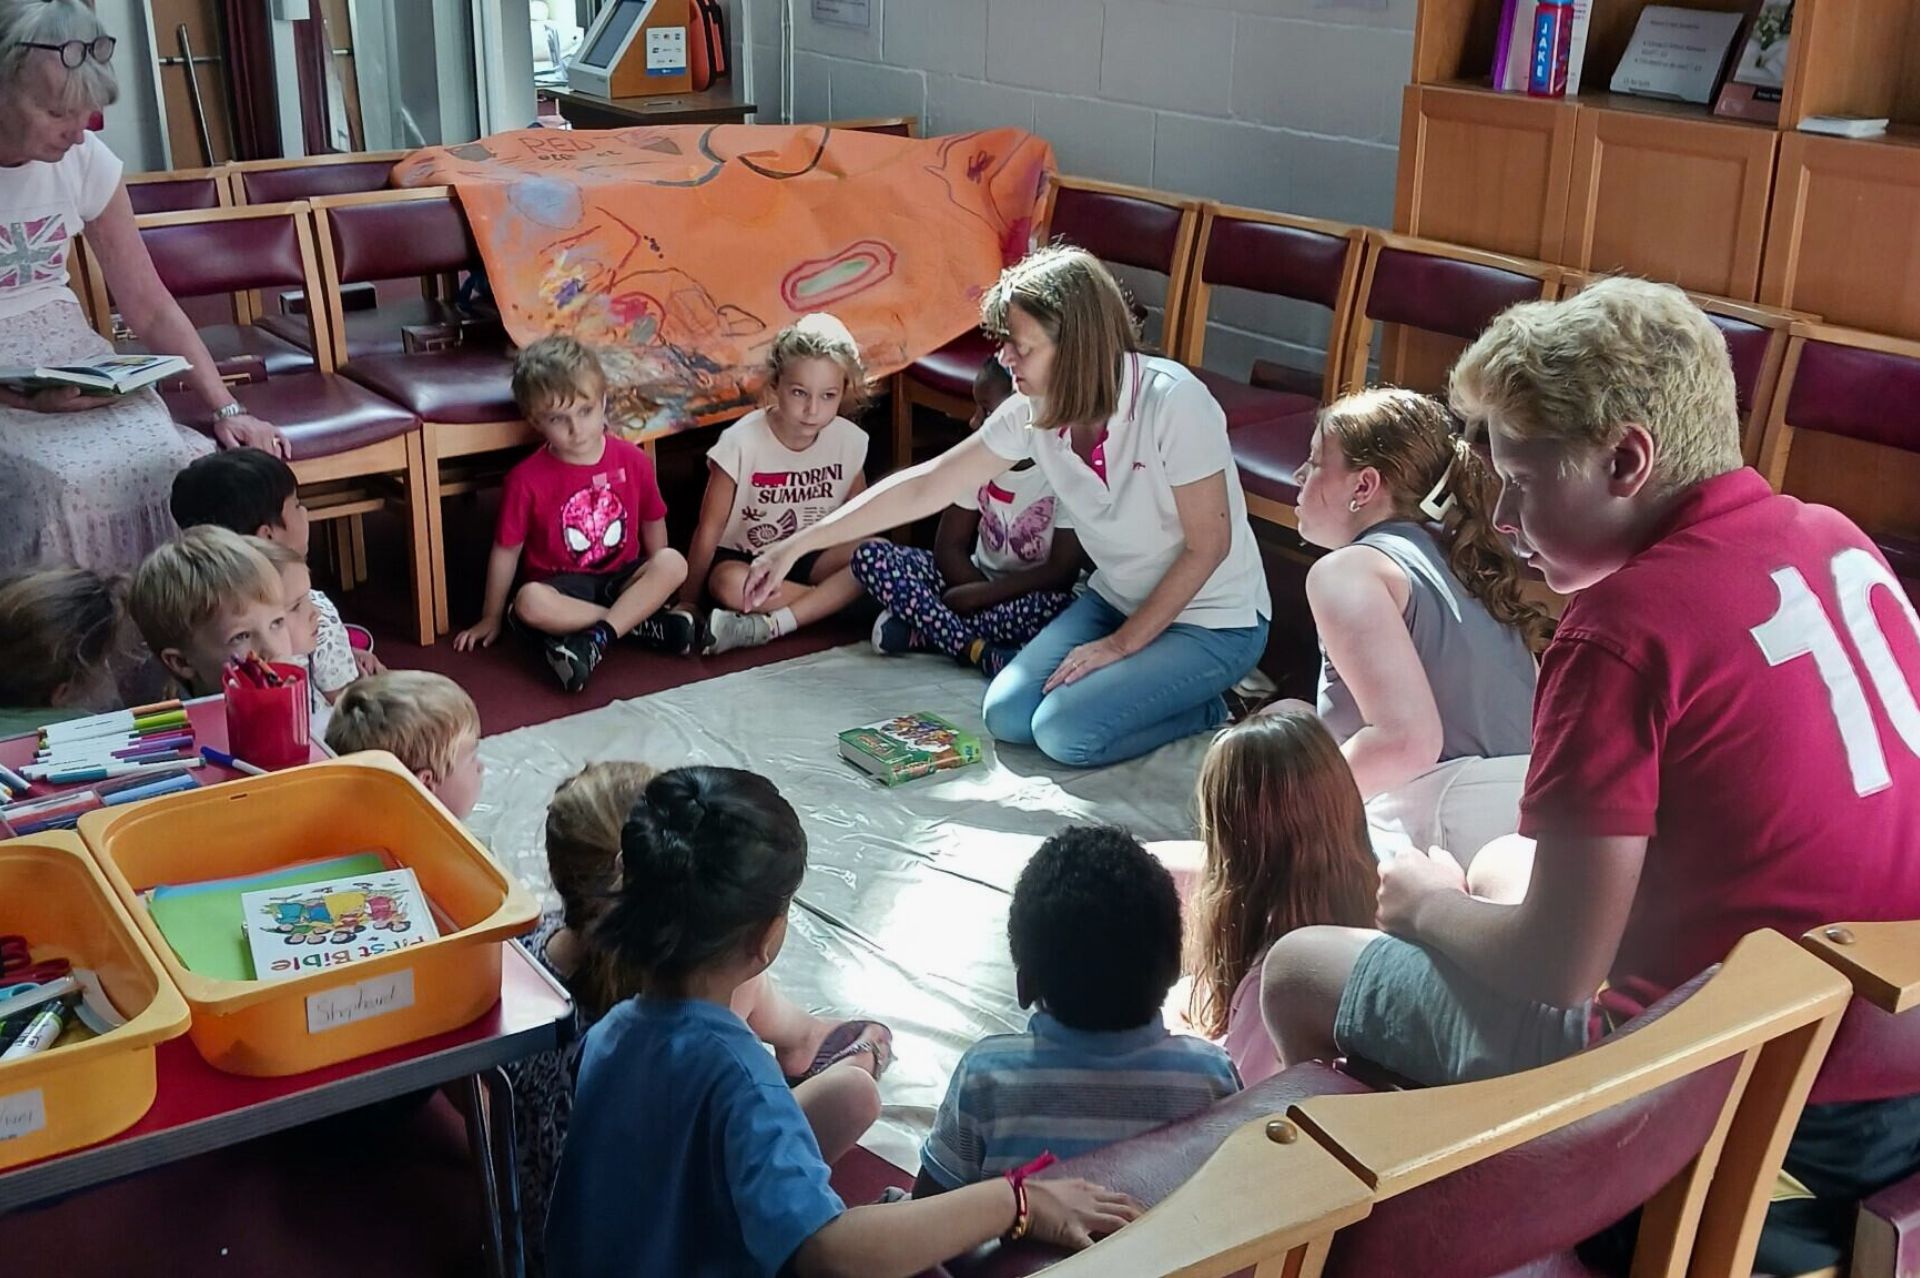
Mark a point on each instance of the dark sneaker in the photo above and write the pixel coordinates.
(671, 630)
(892, 635)
(994, 658)
(573, 658)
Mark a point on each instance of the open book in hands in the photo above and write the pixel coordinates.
(109, 375)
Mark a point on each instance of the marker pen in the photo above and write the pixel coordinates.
(221, 759)
(166, 785)
(39, 1034)
(103, 772)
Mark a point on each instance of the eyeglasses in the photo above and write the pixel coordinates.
(74, 52)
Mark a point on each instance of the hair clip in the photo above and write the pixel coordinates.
(1430, 505)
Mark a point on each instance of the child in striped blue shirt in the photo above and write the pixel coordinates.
(1095, 932)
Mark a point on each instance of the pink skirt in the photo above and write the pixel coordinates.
(87, 488)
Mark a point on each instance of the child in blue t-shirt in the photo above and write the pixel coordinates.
(687, 1153)
(1095, 931)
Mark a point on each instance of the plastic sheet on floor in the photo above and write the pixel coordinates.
(902, 915)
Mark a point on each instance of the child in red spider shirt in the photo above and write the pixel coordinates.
(1725, 738)
(585, 513)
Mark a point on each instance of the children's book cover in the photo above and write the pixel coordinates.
(320, 926)
(909, 746)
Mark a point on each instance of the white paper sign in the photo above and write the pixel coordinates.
(845, 13)
(22, 1114)
(666, 51)
(330, 1009)
(1676, 53)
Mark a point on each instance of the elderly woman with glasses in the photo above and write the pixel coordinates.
(83, 479)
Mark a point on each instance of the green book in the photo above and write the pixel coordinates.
(202, 921)
(909, 746)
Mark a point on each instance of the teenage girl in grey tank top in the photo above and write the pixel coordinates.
(1427, 645)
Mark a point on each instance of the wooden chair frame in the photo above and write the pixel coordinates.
(341, 487)
(441, 442)
(1881, 960)
(1360, 332)
(906, 393)
(1766, 1008)
(1776, 446)
(1777, 323)
(876, 124)
(1277, 1188)
(1191, 344)
(235, 168)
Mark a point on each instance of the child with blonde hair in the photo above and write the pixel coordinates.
(62, 632)
(425, 720)
(303, 623)
(207, 596)
(582, 518)
(780, 469)
(831, 1068)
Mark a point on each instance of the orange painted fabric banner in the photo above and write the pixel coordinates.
(682, 250)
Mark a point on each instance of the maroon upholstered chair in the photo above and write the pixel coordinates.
(1128, 225)
(201, 256)
(1876, 1056)
(353, 450)
(1684, 1114)
(1435, 299)
(178, 190)
(309, 178)
(1278, 255)
(463, 393)
(1861, 387)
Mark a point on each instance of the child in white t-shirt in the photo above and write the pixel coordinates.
(1003, 565)
(778, 470)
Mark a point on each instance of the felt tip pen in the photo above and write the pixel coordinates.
(14, 781)
(121, 725)
(221, 759)
(108, 771)
(39, 1035)
(118, 745)
(166, 785)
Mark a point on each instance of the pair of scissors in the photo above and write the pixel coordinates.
(17, 964)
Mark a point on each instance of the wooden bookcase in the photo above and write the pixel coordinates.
(1607, 182)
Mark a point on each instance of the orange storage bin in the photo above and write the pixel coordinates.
(359, 803)
(53, 894)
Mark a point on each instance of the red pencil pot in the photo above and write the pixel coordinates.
(269, 727)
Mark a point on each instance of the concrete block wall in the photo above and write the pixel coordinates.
(1292, 105)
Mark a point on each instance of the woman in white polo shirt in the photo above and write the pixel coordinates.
(1136, 451)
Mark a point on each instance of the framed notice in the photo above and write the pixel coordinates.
(845, 13)
(1677, 53)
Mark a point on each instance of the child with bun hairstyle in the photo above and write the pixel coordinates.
(831, 1067)
(780, 469)
(687, 1153)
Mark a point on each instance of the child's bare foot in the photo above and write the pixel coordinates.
(868, 1044)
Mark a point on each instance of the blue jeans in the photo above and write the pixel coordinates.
(1169, 689)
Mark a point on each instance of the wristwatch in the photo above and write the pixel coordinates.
(229, 410)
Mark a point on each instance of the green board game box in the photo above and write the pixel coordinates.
(909, 746)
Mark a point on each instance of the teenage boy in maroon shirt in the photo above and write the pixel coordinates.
(1725, 737)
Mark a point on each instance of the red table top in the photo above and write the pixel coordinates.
(208, 715)
(533, 1015)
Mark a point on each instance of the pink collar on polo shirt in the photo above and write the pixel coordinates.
(1097, 459)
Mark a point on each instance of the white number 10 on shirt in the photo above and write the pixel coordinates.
(1801, 627)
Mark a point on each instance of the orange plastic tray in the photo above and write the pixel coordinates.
(355, 804)
(52, 893)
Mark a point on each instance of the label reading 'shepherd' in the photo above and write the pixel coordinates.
(363, 1000)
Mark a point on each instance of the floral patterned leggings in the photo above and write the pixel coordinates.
(908, 584)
